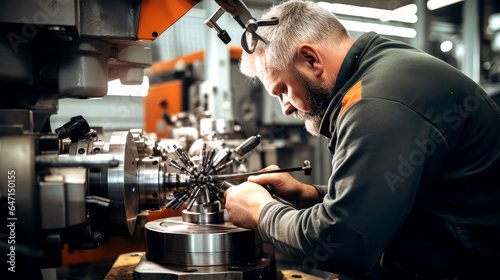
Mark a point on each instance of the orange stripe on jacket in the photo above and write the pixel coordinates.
(351, 97)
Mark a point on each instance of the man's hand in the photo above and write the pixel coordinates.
(284, 185)
(244, 204)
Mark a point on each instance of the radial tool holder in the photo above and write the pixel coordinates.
(201, 244)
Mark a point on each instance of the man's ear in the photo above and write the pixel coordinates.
(309, 58)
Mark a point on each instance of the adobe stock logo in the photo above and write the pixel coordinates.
(455, 116)
(48, 9)
(321, 253)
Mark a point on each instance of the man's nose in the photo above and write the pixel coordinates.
(282, 103)
(286, 106)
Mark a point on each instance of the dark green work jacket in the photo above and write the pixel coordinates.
(415, 184)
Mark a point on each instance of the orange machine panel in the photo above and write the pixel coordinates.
(169, 91)
(158, 15)
(235, 52)
(168, 65)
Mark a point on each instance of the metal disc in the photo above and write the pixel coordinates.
(122, 182)
(173, 241)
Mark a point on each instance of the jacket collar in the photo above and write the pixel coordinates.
(347, 69)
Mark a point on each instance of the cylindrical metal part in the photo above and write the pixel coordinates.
(173, 201)
(175, 164)
(182, 156)
(150, 183)
(213, 214)
(226, 185)
(248, 145)
(187, 159)
(181, 201)
(210, 156)
(222, 167)
(207, 195)
(220, 157)
(194, 196)
(204, 155)
(173, 241)
(175, 181)
(122, 182)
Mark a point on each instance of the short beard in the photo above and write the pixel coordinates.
(317, 98)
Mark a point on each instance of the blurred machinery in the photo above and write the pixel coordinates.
(71, 187)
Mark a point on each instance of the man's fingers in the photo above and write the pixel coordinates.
(226, 192)
(271, 167)
(244, 203)
(264, 179)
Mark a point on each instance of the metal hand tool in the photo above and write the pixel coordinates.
(307, 170)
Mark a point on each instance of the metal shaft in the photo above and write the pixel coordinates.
(307, 170)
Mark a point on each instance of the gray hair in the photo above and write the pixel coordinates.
(300, 22)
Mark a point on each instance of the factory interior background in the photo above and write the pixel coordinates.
(465, 34)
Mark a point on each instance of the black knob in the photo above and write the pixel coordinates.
(75, 129)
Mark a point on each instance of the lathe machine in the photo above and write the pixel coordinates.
(70, 186)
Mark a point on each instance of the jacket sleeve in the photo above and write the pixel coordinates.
(321, 189)
(384, 151)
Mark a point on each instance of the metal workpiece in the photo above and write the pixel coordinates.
(173, 241)
(222, 167)
(206, 185)
(129, 172)
(89, 161)
(247, 146)
(199, 214)
(208, 164)
(122, 182)
(81, 147)
(150, 180)
(220, 157)
(177, 181)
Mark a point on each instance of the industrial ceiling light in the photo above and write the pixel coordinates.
(405, 14)
(382, 29)
(437, 4)
(446, 46)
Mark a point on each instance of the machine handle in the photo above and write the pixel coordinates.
(307, 171)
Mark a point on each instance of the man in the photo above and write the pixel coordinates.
(414, 190)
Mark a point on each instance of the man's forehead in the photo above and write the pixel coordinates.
(264, 73)
(260, 64)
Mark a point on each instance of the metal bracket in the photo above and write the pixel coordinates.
(212, 23)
